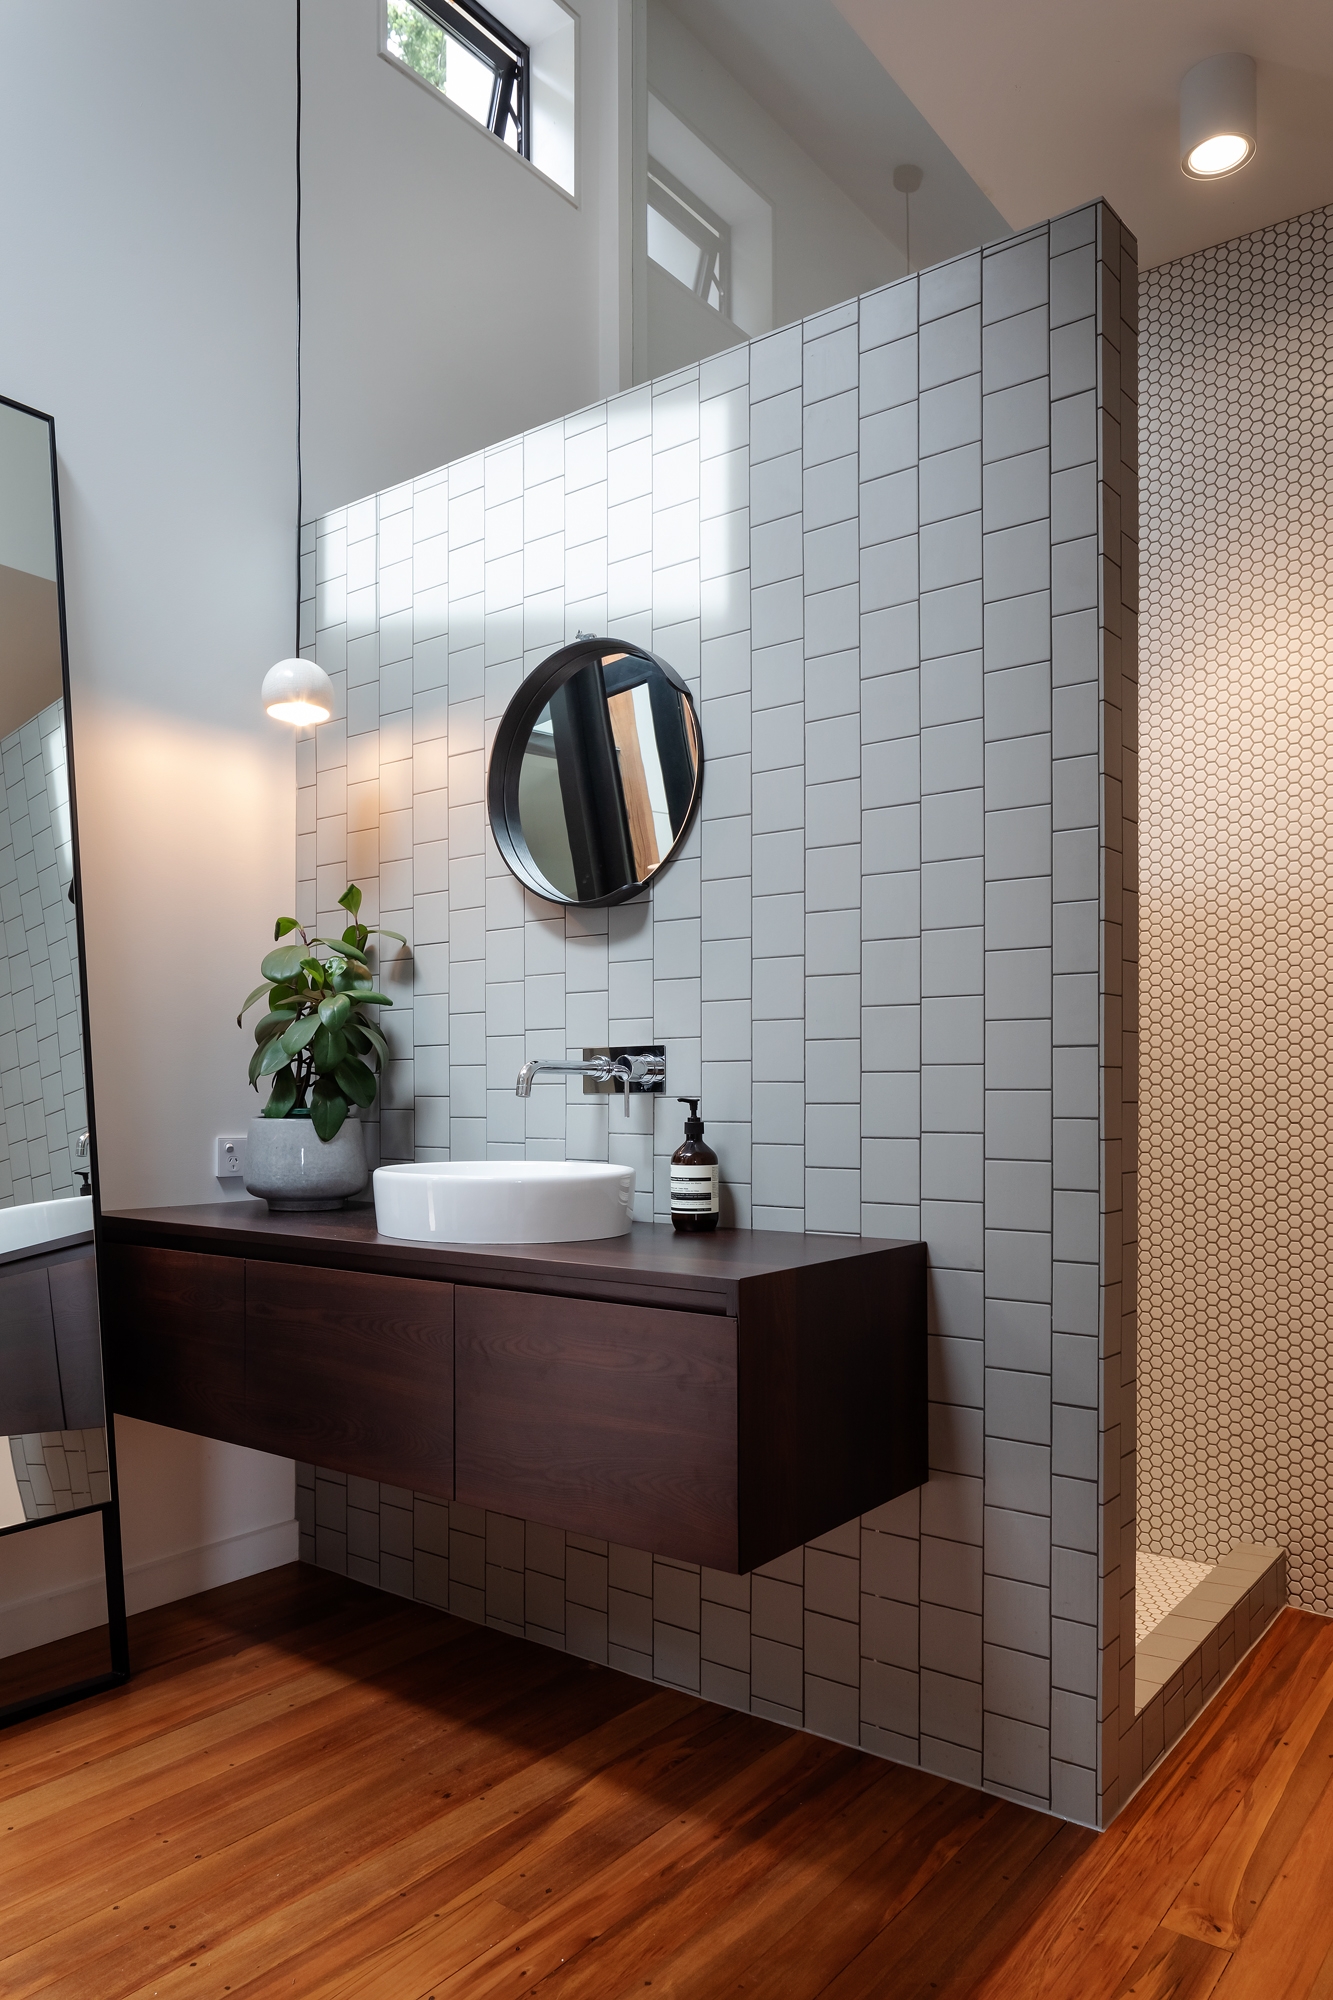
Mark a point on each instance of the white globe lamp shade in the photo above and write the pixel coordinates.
(1218, 104)
(299, 692)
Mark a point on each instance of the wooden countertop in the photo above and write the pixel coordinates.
(652, 1263)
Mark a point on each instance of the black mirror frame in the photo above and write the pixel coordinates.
(112, 1556)
(511, 741)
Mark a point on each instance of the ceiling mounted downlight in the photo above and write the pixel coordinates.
(1217, 116)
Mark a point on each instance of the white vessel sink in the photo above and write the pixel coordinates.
(504, 1201)
(45, 1225)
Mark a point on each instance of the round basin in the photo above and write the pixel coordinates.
(504, 1201)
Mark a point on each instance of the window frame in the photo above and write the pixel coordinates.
(691, 215)
(485, 37)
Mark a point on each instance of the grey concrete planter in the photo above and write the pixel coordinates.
(291, 1167)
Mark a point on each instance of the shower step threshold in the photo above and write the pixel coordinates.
(1184, 1658)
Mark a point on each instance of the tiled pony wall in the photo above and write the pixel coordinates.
(41, 1030)
(885, 549)
(1238, 978)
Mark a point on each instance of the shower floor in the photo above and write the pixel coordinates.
(1161, 1583)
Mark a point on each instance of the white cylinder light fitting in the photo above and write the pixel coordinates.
(1217, 116)
(299, 692)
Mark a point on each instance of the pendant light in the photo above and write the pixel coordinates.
(295, 690)
(1217, 116)
(298, 691)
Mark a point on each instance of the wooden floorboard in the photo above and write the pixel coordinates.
(310, 1789)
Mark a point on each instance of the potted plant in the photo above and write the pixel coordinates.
(323, 1051)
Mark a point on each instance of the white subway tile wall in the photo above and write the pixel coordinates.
(57, 1471)
(41, 1028)
(884, 548)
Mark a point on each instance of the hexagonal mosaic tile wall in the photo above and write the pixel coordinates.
(1235, 1353)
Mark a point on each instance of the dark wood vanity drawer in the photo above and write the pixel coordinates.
(614, 1421)
(352, 1371)
(29, 1375)
(73, 1281)
(174, 1327)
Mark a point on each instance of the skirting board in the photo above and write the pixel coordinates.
(36, 1620)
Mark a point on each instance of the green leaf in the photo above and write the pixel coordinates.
(314, 970)
(355, 1038)
(366, 997)
(382, 931)
(347, 948)
(376, 1041)
(334, 1012)
(283, 966)
(328, 1109)
(283, 925)
(255, 1061)
(258, 994)
(355, 1081)
(282, 1096)
(298, 1033)
(272, 1057)
(328, 1048)
(350, 899)
(270, 1025)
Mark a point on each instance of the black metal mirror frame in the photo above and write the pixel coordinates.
(511, 741)
(112, 1557)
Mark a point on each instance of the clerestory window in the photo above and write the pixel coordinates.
(688, 239)
(470, 58)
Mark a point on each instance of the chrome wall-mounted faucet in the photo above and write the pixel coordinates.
(606, 1069)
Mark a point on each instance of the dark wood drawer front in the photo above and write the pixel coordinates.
(73, 1282)
(29, 1377)
(352, 1371)
(174, 1326)
(613, 1421)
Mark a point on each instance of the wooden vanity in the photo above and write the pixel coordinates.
(720, 1399)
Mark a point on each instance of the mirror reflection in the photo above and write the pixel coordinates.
(53, 1449)
(608, 778)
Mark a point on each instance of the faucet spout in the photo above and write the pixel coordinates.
(523, 1088)
(601, 1069)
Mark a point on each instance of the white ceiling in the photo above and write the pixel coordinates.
(1048, 103)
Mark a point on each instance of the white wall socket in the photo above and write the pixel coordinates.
(230, 1156)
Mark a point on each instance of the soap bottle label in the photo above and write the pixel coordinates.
(693, 1189)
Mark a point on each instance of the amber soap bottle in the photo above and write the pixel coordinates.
(694, 1202)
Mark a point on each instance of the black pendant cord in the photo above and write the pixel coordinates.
(299, 470)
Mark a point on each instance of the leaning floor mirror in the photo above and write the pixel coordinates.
(59, 1515)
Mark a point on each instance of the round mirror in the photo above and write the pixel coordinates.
(596, 772)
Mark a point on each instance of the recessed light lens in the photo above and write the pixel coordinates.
(1219, 155)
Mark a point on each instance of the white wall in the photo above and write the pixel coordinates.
(825, 249)
(452, 295)
(451, 298)
(149, 234)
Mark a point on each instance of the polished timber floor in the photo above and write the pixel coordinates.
(312, 1788)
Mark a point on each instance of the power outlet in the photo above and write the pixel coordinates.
(230, 1157)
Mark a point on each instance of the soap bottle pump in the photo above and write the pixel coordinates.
(694, 1193)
